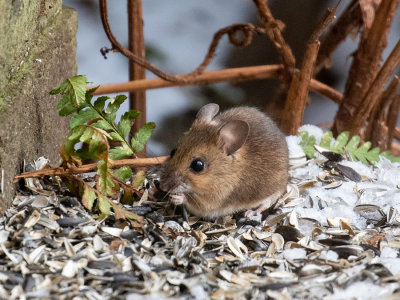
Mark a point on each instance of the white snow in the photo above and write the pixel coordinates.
(296, 253)
(363, 290)
(295, 149)
(329, 255)
(388, 252)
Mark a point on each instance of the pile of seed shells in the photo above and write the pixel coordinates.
(334, 235)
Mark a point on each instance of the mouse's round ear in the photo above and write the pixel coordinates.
(233, 135)
(207, 112)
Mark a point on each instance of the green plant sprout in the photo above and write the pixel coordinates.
(359, 152)
(93, 123)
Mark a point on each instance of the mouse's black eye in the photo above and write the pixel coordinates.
(197, 165)
(172, 153)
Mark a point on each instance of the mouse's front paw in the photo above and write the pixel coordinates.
(254, 215)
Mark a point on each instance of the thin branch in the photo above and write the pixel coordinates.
(325, 21)
(137, 99)
(396, 131)
(377, 131)
(372, 96)
(391, 121)
(298, 92)
(326, 90)
(233, 75)
(349, 22)
(395, 149)
(60, 171)
(116, 46)
(246, 31)
(274, 29)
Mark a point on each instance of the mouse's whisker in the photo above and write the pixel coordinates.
(194, 200)
(165, 196)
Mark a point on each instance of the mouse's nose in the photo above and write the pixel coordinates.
(169, 181)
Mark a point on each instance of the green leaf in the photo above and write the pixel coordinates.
(352, 145)
(92, 90)
(83, 117)
(103, 124)
(131, 115)
(385, 153)
(304, 138)
(65, 108)
(373, 155)
(139, 179)
(110, 117)
(104, 182)
(124, 126)
(124, 173)
(100, 102)
(120, 152)
(112, 108)
(96, 140)
(307, 143)
(104, 205)
(89, 96)
(361, 152)
(116, 137)
(326, 140)
(340, 142)
(115, 103)
(88, 197)
(73, 90)
(141, 137)
(390, 157)
(309, 149)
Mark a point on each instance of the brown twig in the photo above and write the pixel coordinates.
(372, 96)
(377, 130)
(247, 31)
(347, 23)
(298, 92)
(365, 66)
(395, 149)
(396, 131)
(137, 99)
(232, 74)
(274, 29)
(60, 171)
(325, 21)
(391, 120)
(325, 90)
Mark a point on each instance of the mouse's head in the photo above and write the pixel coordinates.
(203, 169)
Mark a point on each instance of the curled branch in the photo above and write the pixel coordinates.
(274, 30)
(239, 35)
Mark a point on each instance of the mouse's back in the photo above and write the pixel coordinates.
(265, 153)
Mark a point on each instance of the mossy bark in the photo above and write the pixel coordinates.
(37, 52)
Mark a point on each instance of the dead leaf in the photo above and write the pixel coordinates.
(116, 244)
(374, 241)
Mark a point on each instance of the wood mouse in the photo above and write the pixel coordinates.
(234, 161)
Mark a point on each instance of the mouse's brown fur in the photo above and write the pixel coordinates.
(234, 181)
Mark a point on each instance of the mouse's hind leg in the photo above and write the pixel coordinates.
(262, 205)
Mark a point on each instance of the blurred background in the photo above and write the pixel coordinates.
(177, 35)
